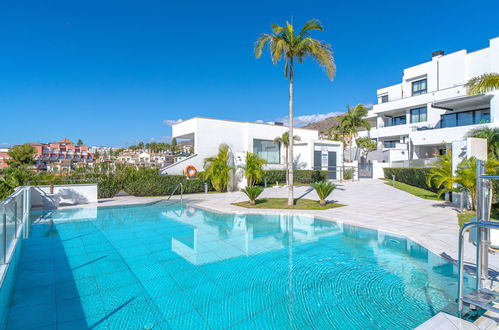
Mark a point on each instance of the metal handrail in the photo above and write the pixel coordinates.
(174, 190)
(482, 241)
(464, 228)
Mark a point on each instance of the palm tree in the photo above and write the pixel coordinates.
(485, 83)
(466, 176)
(350, 123)
(217, 170)
(283, 42)
(367, 145)
(441, 176)
(491, 134)
(254, 169)
(284, 139)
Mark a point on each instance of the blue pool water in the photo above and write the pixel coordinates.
(165, 266)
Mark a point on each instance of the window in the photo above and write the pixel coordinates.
(268, 150)
(399, 120)
(419, 87)
(465, 118)
(384, 98)
(418, 115)
(390, 143)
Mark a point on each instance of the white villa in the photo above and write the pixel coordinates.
(418, 119)
(207, 134)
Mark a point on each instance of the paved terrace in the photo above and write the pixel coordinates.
(370, 204)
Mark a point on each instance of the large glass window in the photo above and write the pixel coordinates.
(465, 118)
(419, 87)
(390, 143)
(268, 150)
(384, 98)
(400, 120)
(418, 115)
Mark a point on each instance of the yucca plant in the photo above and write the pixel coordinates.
(252, 192)
(323, 189)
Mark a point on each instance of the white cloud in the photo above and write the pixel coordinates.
(170, 122)
(5, 144)
(304, 120)
(259, 121)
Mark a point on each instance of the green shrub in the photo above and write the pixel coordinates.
(348, 173)
(411, 175)
(300, 176)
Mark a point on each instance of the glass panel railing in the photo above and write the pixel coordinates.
(13, 212)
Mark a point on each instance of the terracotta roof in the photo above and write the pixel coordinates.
(34, 143)
(65, 141)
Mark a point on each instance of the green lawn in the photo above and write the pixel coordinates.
(416, 191)
(466, 216)
(282, 203)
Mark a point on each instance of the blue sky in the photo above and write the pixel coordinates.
(113, 72)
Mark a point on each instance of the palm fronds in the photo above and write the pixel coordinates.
(485, 83)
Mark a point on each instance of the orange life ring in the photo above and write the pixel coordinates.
(191, 171)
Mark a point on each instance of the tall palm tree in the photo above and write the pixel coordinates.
(284, 140)
(491, 134)
(350, 123)
(283, 42)
(485, 83)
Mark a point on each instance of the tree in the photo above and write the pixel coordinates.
(217, 170)
(350, 123)
(283, 42)
(254, 169)
(97, 155)
(174, 146)
(21, 155)
(140, 145)
(14, 176)
(79, 143)
(284, 139)
(366, 144)
(485, 83)
(466, 176)
(491, 134)
(441, 176)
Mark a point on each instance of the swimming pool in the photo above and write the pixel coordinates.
(165, 266)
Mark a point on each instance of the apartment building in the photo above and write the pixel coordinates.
(4, 156)
(142, 158)
(420, 117)
(48, 155)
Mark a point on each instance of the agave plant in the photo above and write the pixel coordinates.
(323, 189)
(252, 192)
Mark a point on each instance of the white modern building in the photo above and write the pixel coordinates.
(207, 134)
(417, 119)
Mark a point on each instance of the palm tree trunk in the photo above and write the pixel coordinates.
(286, 163)
(291, 199)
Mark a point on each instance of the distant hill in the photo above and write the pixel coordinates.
(323, 126)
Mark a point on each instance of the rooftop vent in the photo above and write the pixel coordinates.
(438, 53)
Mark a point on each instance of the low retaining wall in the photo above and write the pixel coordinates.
(74, 194)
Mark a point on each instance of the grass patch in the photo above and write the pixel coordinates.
(282, 203)
(466, 216)
(416, 191)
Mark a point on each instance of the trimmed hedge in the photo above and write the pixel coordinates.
(300, 176)
(410, 175)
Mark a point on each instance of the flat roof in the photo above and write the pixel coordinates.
(242, 122)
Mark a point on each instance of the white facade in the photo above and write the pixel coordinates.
(207, 135)
(420, 117)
